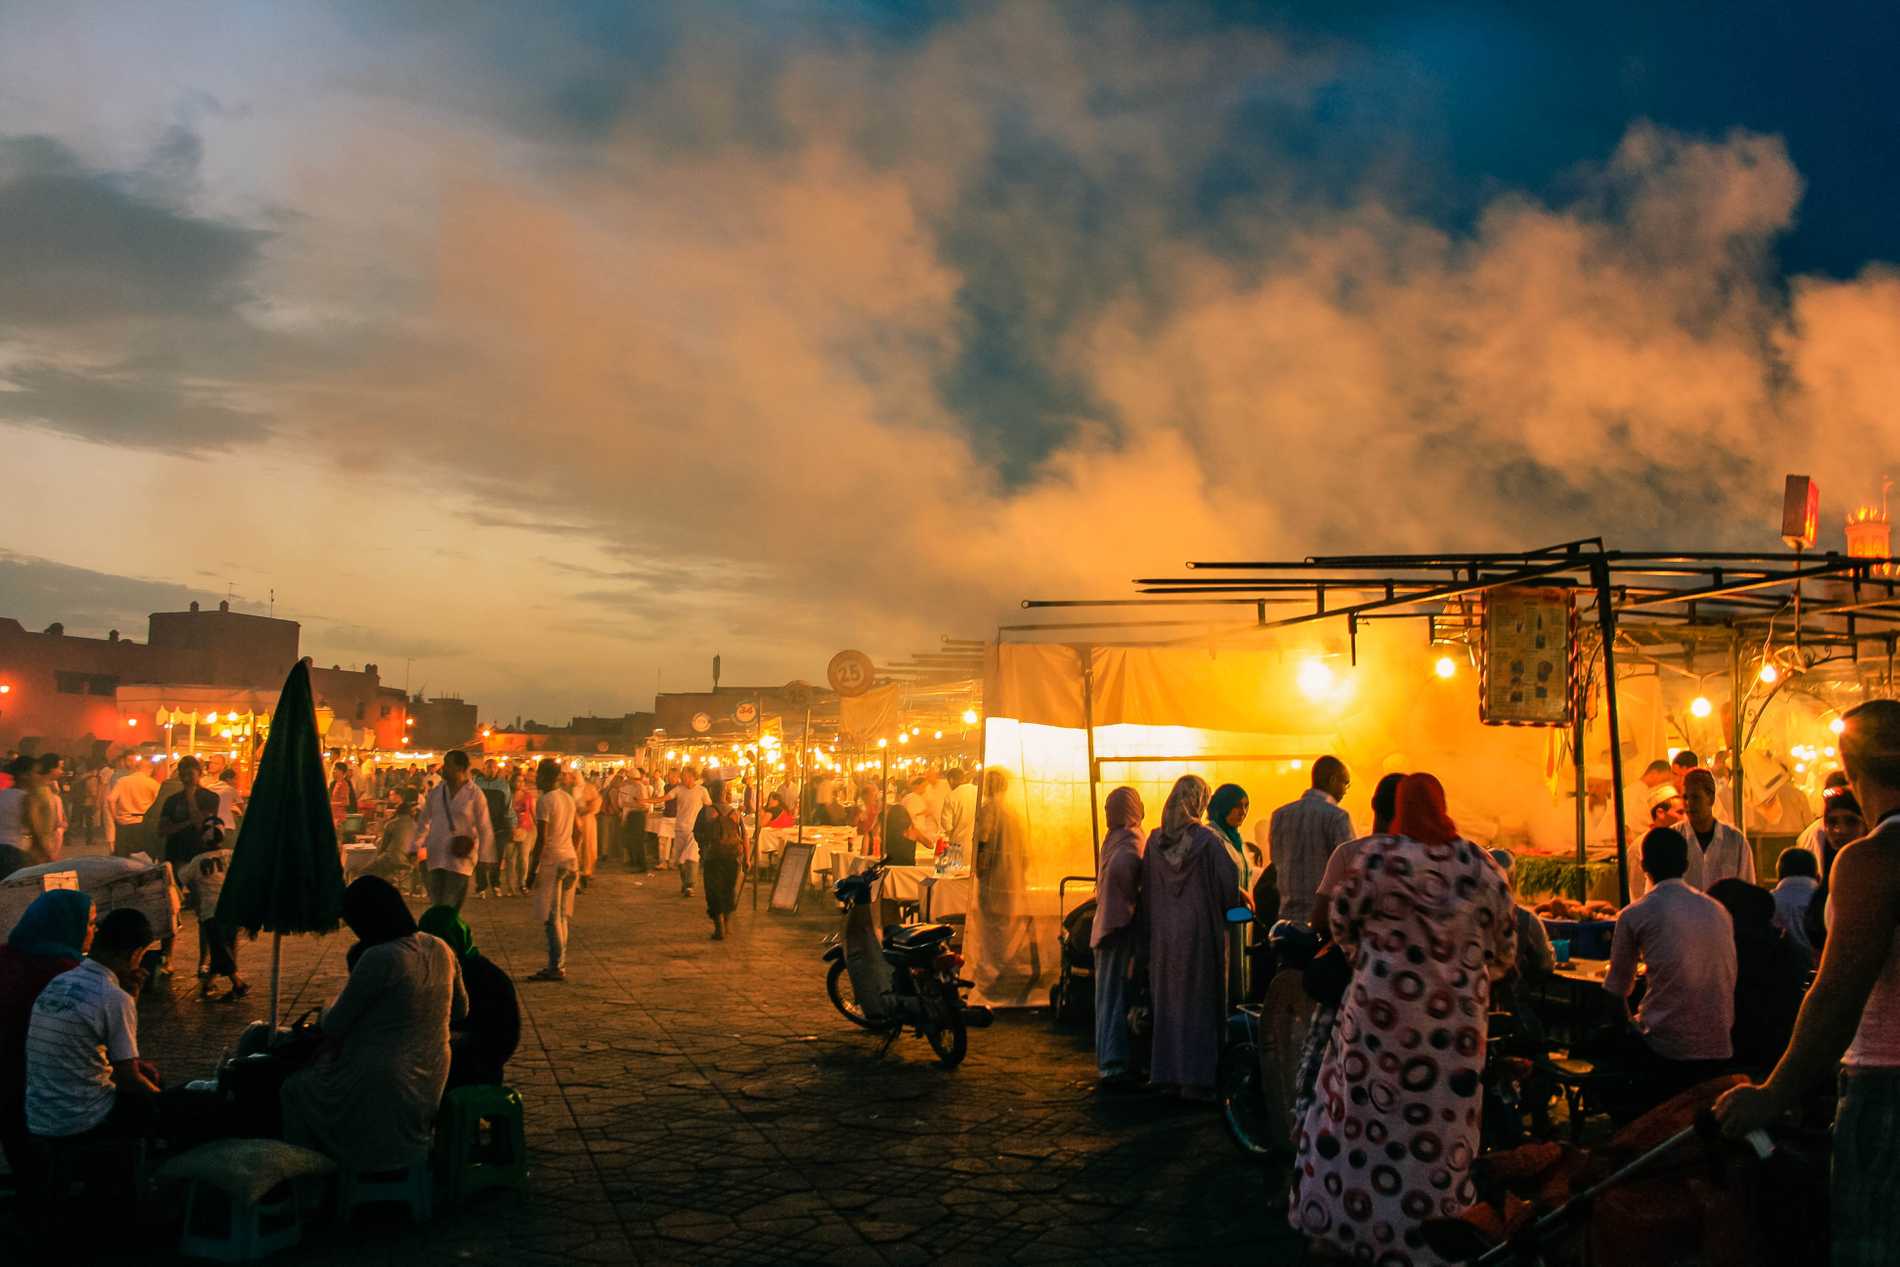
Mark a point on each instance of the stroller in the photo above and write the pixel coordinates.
(1072, 998)
(1666, 1190)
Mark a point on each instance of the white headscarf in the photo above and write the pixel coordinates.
(1187, 804)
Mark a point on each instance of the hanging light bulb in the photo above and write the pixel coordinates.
(969, 717)
(1837, 725)
(1769, 673)
(1700, 706)
(1446, 667)
(1315, 679)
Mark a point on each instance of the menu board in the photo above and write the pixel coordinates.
(1527, 673)
(794, 864)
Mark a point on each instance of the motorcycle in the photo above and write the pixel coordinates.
(1249, 1114)
(904, 978)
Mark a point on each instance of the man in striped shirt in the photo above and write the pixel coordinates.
(1302, 835)
(83, 1072)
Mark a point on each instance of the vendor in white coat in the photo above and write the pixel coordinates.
(1717, 851)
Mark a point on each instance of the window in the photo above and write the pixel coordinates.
(384, 712)
(69, 683)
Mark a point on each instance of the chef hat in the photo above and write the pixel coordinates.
(1662, 792)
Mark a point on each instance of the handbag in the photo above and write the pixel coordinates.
(459, 846)
(1328, 975)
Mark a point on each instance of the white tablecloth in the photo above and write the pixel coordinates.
(948, 895)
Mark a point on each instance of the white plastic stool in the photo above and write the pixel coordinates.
(252, 1230)
(411, 1185)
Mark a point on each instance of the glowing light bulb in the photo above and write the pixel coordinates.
(903, 737)
(1837, 725)
(1769, 673)
(1315, 679)
(1700, 706)
(969, 717)
(938, 735)
(883, 743)
(1446, 667)
(6, 688)
(1827, 752)
(1297, 764)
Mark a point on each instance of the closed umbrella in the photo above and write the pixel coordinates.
(286, 875)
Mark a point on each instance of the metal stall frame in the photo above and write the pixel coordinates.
(1639, 595)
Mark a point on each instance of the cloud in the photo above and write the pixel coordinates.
(77, 246)
(37, 592)
(802, 334)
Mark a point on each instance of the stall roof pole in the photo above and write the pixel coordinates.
(1738, 771)
(1606, 619)
(1088, 720)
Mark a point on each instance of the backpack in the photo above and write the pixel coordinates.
(728, 834)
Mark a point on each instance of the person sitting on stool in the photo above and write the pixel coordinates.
(1685, 938)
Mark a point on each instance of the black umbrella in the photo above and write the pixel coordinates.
(286, 875)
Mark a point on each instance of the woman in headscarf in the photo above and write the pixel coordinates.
(481, 1042)
(53, 935)
(1226, 811)
(1388, 1140)
(1188, 883)
(720, 832)
(1117, 932)
(369, 1098)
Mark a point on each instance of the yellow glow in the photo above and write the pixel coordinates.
(1446, 667)
(1837, 725)
(969, 717)
(672, 756)
(1315, 679)
(883, 743)
(211, 719)
(5, 688)
(1297, 764)
(1769, 673)
(1700, 706)
(1827, 752)
(903, 737)
(938, 735)
(1800, 768)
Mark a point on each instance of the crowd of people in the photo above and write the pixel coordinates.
(1412, 937)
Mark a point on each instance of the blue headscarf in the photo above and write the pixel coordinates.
(54, 926)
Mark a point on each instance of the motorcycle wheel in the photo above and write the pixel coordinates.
(1243, 1105)
(843, 997)
(951, 1041)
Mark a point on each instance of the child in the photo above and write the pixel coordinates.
(217, 943)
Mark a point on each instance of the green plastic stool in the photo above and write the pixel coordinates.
(483, 1142)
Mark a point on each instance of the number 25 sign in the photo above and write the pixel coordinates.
(850, 673)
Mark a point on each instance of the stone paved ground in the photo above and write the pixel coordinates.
(700, 1102)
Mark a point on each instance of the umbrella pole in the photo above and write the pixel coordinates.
(276, 969)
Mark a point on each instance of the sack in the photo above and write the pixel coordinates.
(1328, 975)
(728, 836)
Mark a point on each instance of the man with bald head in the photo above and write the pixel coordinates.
(1302, 835)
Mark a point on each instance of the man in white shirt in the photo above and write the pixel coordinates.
(959, 815)
(923, 819)
(131, 797)
(1717, 851)
(83, 1072)
(554, 869)
(689, 798)
(1797, 880)
(1302, 835)
(453, 831)
(1687, 941)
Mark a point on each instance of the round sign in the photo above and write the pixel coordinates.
(746, 714)
(702, 722)
(850, 672)
(600, 745)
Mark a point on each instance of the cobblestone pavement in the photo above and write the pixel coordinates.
(700, 1102)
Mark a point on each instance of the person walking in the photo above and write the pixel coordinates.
(133, 795)
(689, 798)
(1188, 881)
(1117, 933)
(1302, 835)
(587, 806)
(1389, 1139)
(1850, 1020)
(453, 832)
(720, 832)
(554, 868)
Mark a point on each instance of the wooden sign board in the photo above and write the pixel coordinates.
(1527, 672)
(794, 865)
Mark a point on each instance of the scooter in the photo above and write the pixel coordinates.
(905, 978)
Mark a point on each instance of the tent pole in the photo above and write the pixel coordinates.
(1088, 720)
(1606, 621)
(276, 973)
(1583, 794)
(1737, 701)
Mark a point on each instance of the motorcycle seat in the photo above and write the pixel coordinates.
(918, 936)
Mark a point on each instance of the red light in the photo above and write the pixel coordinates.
(6, 688)
(131, 721)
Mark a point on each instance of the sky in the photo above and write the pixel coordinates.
(539, 352)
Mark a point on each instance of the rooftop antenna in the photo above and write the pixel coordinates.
(273, 600)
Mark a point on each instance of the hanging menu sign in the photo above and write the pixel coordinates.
(1527, 672)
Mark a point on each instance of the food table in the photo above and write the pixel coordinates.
(949, 896)
(1572, 1001)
